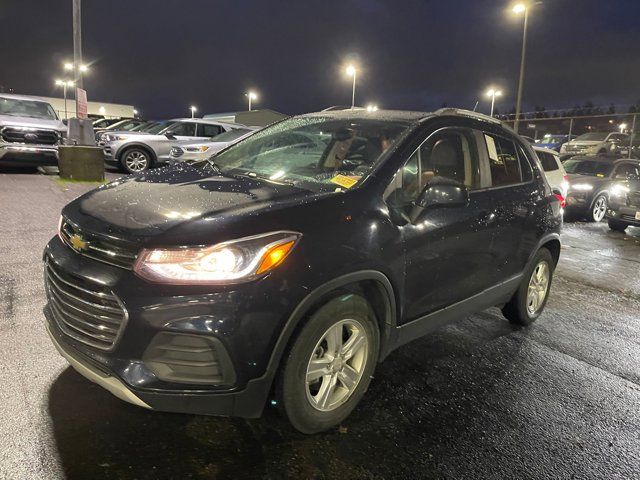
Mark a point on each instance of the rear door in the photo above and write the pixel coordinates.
(206, 131)
(514, 195)
(182, 131)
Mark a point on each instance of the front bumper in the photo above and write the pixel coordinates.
(244, 325)
(17, 155)
(624, 213)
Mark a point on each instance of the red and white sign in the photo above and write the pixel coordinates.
(81, 103)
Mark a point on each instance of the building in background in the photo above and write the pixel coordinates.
(108, 110)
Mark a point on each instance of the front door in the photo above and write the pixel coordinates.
(447, 249)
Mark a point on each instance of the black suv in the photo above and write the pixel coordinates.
(292, 262)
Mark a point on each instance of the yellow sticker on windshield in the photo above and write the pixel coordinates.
(599, 175)
(344, 181)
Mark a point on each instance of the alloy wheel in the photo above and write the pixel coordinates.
(538, 286)
(336, 365)
(599, 209)
(136, 161)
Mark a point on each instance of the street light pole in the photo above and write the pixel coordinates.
(351, 70)
(521, 8)
(251, 96)
(493, 93)
(77, 43)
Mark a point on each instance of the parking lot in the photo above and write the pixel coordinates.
(478, 399)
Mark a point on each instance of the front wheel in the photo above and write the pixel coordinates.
(329, 365)
(617, 225)
(135, 160)
(531, 297)
(598, 209)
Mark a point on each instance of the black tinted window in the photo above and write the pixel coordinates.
(503, 160)
(184, 129)
(548, 161)
(588, 167)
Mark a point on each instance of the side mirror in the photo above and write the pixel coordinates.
(440, 192)
(170, 135)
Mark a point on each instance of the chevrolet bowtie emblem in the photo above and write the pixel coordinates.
(78, 243)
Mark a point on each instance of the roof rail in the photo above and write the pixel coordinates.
(466, 113)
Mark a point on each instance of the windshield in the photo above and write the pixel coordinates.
(26, 108)
(593, 136)
(314, 153)
(143, 127)
(230, 135)
(128, 125)
(159, 127)
(588, 167)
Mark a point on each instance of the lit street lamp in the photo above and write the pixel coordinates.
(519, 8)
(251, 96)
(351, 71)
(193, 111)
(493, 93)
(64, 84)
(622, 127)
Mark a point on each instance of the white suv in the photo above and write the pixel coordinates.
(553, 170)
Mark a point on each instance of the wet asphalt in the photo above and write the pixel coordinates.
(478, 399)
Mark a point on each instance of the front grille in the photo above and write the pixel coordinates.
(176, 151)
(85, 311)
(113, 252)
(633, 199)
(30, 136)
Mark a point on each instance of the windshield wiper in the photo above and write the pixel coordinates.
(266, 178)
(210, 165)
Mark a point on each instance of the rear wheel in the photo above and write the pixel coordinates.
(531, 297)
(329, 365)
(598, 209)
(135, 160)
(617, 225)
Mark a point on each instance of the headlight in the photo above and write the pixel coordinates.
(115, 138)
(619, 191)
(229, 262)
(582, 187)
(201, 148)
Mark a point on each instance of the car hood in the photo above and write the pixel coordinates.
(28, 122)
(585, 143)
(135, 208)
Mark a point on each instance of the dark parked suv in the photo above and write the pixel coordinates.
(292, 262)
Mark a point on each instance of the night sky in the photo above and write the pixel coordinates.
(162, 56)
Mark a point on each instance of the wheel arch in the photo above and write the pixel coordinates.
(142, 146)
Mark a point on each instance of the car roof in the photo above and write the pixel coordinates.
(604, 159)
(399, 115)
(209, 121)
(544, 149)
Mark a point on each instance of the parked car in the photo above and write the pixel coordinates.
(124, 125)
(104, 122)
(590, 182)
(30, 131)
(139, 151)
(189, 152)
(593, 143)
(624, 204)
(554, 142)
(205, 288)
(553, 169)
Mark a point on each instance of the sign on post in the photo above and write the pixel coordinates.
(81, 103)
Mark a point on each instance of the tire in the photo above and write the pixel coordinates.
(598, 209)
(520, 309)
(326, 401)
(136, 160)
(617, 225)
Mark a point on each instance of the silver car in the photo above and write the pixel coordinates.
(193, 152)
(138, 151)
(593, 143)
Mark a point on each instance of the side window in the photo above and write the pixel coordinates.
(206, 130)
(617, 137)
(626, 170)
(503, 160)
(548, 161)
(451, 153)
(184, 129)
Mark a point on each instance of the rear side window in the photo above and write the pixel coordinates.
(548, 161)
(503, 161)
(205, 130)
(184, 129)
